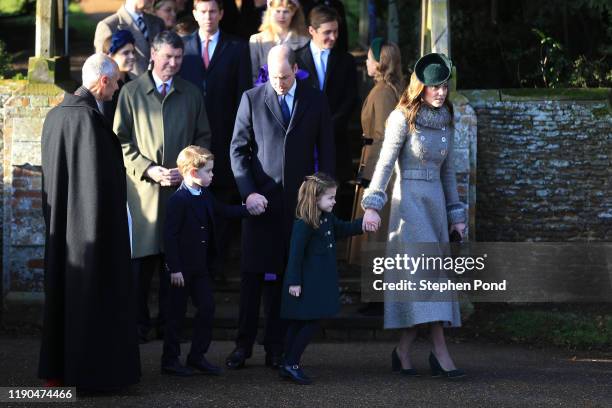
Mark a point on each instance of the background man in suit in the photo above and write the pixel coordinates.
(277, 129)
(158, 114)
(218, 64)
(143, 26)
(343, 40)
(332, 71)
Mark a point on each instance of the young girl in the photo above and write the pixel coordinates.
(310, 289)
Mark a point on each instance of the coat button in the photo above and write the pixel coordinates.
(444, 139)
(203, 242)
(443, 152)
(443, 129)
(201, 227)
(331, 245)
(328, 232)
(422, 138)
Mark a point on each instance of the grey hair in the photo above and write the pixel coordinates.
(167, 37)
(97, 66)
(282, 50)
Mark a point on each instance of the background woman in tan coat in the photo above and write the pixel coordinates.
(384, 66)
(283, 23)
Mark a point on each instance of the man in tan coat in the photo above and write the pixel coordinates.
(143, 26)
(158, 115)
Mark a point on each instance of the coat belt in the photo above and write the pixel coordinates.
(421, 174)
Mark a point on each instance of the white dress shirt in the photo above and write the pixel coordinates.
(317, 55)
(159, 84)
(212, 44)
(135, 16)
(194, 191)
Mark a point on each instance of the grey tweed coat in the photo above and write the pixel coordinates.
(424, 202)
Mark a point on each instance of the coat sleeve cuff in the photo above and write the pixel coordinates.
(374, 199)
(456, 213)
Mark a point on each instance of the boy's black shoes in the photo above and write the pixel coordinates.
(274, 360)
(204, 366)
(236, 358)
(295, 374)
(176, 368)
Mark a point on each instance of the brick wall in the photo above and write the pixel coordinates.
(544, 165)
(23, 233)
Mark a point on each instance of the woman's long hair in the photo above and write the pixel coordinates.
(390, 68)
(297, 25)
(311, 189)
(412, 99)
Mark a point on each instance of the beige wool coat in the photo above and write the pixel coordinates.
(152, 131)
(122, 20)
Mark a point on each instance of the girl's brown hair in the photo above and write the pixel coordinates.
(390, 68)
(311, 189)
(412, 99)
(297, 26)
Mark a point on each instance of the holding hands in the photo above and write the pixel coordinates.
(176, 279)
(295, 290)
(371, 220)
(163, 176)
(256, 204)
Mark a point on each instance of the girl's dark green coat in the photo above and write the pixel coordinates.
(313, 265)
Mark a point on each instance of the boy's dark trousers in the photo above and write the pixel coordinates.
(198, 287)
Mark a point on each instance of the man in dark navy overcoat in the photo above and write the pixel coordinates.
(279, 126)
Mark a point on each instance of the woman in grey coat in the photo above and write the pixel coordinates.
(419, 137)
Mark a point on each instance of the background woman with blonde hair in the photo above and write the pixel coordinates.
(384, 66)
(283, 23)
(425, 208)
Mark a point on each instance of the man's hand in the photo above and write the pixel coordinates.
(175, 176)
(163, 176)
(295, 290)
(256, 204)
(371, 220)
(176, 279)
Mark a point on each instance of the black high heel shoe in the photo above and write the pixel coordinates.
(396, 365)
(438, 371)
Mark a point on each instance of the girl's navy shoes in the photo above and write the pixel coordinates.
(295, 374)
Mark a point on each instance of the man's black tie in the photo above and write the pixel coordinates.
(285, 110)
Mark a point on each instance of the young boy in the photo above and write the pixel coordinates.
(189, 238)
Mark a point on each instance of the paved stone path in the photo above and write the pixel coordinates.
(355, 375)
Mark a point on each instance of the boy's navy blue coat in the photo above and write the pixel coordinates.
(189, 232)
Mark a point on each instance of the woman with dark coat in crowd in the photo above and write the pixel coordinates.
(120, 47)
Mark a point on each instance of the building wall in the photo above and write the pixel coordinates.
(544, 165)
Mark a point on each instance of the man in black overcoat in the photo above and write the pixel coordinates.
(222, 75)
(278, 127)
(332, 71)
(89, 335)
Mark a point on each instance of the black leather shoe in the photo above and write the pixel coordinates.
(177, 369)
(396, 365)
(438, 371)
(236, 358)
(295, 374)
(204, 366)
(274, 360)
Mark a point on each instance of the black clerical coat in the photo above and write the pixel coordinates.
(89, 332)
